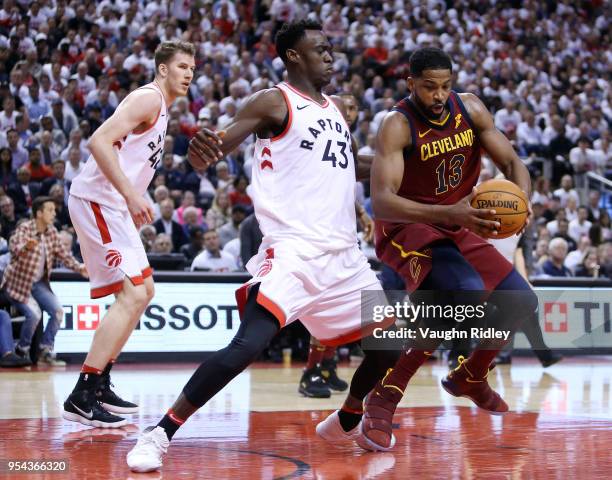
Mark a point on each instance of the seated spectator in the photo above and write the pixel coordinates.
(233, 248)
(62, 217)
(188, 201)
(239, 196)
(593, 205)
(198, 182)
(580, 226)
(575, 257)
(553, 267)
(147, 236)
(566, 190)
(563, 233)
(220, 211)
(59, 171)
(38, 171)
(74, 166)
(23, 191)
(8, 221)
(571, 209)
(213, 259)
(604, 259)
(588, 266)
(166, 225)
(6, 171)
(34, 248)
(195, 245)
(19, 154)
(8, 357)
(230, 230)
(160, 194)
(553, 227)
(190, 219)
(174, 177)
(162, 244)
(224, 179)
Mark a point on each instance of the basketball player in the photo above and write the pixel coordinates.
(309, 265)
(107, 207)
(425, 168)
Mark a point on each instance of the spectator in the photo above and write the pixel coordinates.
(188, 201)
(230, 230)
(220, 211)
(8, 115)
(166, 225)
(571, 209)
(213, 259)
(8, 357)
(593, 205)
(589, 266)
(604, 259)
(162, 244)
(49, 151)
(195, 245)
(563, 233)
(62, 217)
(553, 267)
(23, 192)
(575, 257)
(566, 190)
(8, 221)
(34, 249)
(74, 166)
(508, 118)
(38, 172)
(6, 171)
(238, 196)
(224, 179)
(580, 226)
(529, 135)
(18, 153)
(147, 236)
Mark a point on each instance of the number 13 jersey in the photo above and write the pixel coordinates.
(138, 154)
(303, 181)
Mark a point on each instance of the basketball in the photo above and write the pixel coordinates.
(508, 201)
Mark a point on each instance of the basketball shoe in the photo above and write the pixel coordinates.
(312, 384)
(331, 430)
(377, 424)
(329, 370)
(146, 456)
(83, 406)
(110, 400)
(461, 383)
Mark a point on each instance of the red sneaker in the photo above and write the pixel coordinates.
(461, 383)
(376, 424)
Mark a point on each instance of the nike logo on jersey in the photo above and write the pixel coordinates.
(421, 135)
(88, 415)
(302, 107)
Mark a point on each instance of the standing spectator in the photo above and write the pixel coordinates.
(34, 249)
(166, 225)
(213, 259)
(557, 249)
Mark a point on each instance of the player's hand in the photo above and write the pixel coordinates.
(367, 225)
(204, 148)
(31, 244)
(478, 220)
(140, 210)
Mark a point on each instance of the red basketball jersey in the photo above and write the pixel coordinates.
(443, 163)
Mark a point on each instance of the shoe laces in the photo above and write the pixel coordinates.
(150, 439)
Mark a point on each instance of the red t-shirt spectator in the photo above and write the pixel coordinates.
(39, 172)
(237, 198)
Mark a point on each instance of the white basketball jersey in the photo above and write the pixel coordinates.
(139, 154)
(303, 182)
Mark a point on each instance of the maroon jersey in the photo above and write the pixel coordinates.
(441, 167)
(443, 163)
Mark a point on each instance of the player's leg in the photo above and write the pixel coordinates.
(532, 330)
(258, 327)
(312, 384)
(450, 273)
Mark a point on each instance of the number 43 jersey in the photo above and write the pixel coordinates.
(139, 155)
(303, 181)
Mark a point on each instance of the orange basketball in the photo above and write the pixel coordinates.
(508, 201)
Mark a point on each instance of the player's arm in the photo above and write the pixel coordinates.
(363, 163)
(140, 109)
(387, 173)
(496, 144)
(261, 113)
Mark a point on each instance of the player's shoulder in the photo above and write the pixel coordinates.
(472, 103)
(144, 100)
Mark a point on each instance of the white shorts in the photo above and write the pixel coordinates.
(324, 293)
(110, 245)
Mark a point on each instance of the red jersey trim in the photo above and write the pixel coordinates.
(289, 120)
(101, 223)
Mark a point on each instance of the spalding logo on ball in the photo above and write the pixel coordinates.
(508, 201)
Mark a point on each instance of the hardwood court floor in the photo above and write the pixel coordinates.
(259, 427)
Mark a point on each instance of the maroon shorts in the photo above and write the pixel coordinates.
(406, 248)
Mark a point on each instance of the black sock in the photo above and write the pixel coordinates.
(87, 381)
(349, 420)
(169, 425)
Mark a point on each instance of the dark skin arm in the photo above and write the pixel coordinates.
(386, 177)
(262, 113)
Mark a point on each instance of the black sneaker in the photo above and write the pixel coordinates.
(83, 407)
(313, 385)
(548, 358)
(330, 375)
(110, 400)
(12, 360)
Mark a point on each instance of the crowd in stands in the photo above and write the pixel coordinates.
(541, 67)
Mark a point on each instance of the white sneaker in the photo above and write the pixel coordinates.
(146, 456)
(331, 430)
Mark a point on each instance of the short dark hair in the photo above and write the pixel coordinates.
(291, 33)
(38, 203)
(429, 59)
(166, 50)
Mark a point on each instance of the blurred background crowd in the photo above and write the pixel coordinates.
(542, 67)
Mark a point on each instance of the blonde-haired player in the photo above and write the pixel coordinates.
(107, 207)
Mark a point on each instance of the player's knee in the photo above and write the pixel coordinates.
(150, 289)
(136, 298)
